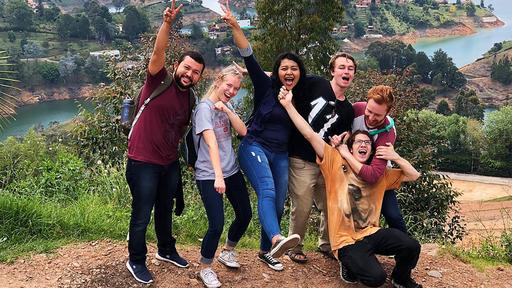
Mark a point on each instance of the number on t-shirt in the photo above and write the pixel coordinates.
(318, 104)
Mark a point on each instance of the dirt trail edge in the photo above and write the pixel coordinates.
(102, 264)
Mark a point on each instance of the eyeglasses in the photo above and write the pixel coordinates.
(366, 142)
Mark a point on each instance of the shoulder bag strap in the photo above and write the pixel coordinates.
(161, 88)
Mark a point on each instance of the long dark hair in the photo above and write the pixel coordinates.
(275, 70)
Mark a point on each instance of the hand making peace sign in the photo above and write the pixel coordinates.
(171, 13)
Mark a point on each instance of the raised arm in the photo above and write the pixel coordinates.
(285, 97)
(388, 153)
(238, 35)
(235, 120)
(157, 61)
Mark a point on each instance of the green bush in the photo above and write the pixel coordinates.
(430, 209)
(506, 242)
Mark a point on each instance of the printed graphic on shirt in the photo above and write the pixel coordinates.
(362, 208)
(321, 107)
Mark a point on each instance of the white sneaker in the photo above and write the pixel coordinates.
(209, 278)
(228, 258)
(284, 245)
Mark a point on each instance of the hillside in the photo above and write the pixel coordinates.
(479, 78)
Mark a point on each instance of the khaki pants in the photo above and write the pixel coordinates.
(306, 186)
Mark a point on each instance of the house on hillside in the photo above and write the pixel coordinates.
(372, 36)
(106, 53)
(224, 50)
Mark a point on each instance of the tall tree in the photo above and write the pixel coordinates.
(423, 66)
(443, 108)
(64, 25)
(468, 104)
(501, 71)
(444, 72)
(83, 27)
(359, 29)
(102, 29)
(392, 55)
(49, 71)
(51, 13)
(498, 132)
(135, 22)
(19, 15)
(299, 26)
(94, 9)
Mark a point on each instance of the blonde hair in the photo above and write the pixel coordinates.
(382, 94)
(231, 70)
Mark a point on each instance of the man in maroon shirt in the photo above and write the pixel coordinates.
(372, 116)
(153, 170)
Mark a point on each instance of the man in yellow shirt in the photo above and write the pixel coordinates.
(353, 206)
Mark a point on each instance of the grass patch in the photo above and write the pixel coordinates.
(472, 258)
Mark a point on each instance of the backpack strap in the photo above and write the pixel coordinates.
(388, 127)
(192, 100)
(161, 88)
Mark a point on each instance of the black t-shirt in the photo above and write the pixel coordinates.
(327, 116)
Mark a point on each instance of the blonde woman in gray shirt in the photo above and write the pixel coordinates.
(217, 172)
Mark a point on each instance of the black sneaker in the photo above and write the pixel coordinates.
(140, 272)
(346, 275)
(284, 244)
(173, 258)
(270, 261)
(410, 283)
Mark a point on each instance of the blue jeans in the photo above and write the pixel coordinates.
(391, 211)
(237, 194)
(151, 185)
(268, 173)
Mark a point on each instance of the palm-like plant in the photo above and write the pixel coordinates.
(7, 99)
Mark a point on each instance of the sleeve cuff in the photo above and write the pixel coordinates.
(245, 52)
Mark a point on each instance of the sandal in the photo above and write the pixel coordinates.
(297, 256)
(327, 254)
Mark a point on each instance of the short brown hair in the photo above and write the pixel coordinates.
(382, 94)
(344, 55)
(352, 138)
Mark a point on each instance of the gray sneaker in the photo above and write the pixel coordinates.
(209, 278)
(228, 258)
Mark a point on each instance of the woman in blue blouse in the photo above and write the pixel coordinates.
(263, 153)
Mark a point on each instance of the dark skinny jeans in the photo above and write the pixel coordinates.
(151, 185)
(236, 192)
(391, 211)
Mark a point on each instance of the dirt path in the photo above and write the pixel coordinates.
(483, 214)
(101, 264)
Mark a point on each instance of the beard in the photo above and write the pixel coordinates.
(177, 79)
